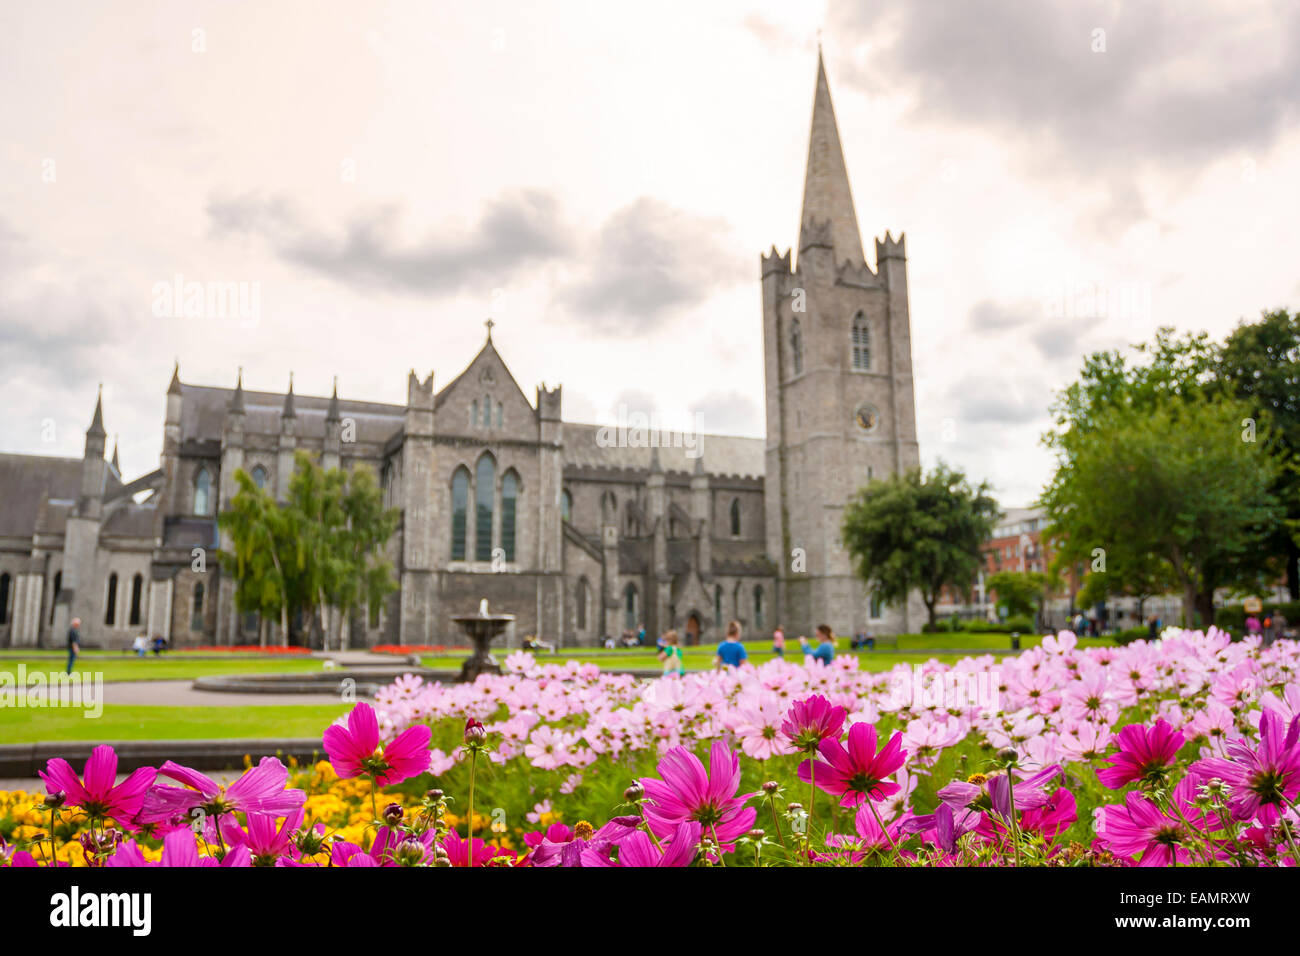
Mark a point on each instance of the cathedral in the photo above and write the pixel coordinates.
(578, 530)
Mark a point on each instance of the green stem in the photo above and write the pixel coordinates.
(771, 802)
(1015, 829)
(883, 829)
(54, 860)
(469, 820)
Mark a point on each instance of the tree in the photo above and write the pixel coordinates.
(1169, 477)
(912, 532)
(1020, 592)
(1260, 364)
(319, 552)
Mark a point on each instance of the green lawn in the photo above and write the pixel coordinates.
(697, 659)
(126, 667)
(143, 722)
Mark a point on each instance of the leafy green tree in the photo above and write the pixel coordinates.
(1020, 592)
(1169, 477)
(915, 532)
(321, 552)
(1260, 364)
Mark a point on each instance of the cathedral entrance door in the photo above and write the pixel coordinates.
(693, 629)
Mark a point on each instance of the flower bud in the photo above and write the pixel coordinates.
(1008, 755)
(634, 793)
(475, 733)
(392, 814)
(771, 787)
(55, 800)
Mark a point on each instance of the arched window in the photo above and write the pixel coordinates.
(137, 592)
(259, 477)
(487, 411)
(861, 343)
(717, 606)
(110, 603)
(566, 505)
(509, 497)
(876, 606)
(196, 610)
(630, 606)
(485, 480)
(580, 604)
(473, 414)
(459, 508)
(758, 607)
(203, 493)
(500, 415)
(4, 598)
(54, 595)
(796, 346)
(735, 516)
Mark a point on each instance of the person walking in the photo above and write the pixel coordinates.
(74, 642)
(671, 654)
(731, 652)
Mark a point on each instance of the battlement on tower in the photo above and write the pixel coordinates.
(775, 262)
(816, 233)
(548, 402)
(858, 276)
(891, 248)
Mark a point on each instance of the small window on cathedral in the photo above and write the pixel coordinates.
(861, 344)
(473, 414)
(259, 478)
(203, 493)
(796, 347)
(735, 517)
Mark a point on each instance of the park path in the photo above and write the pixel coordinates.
(181, 693)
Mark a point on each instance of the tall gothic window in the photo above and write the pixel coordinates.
(877, 606)
(137, 592)
(54, 595)
(509, 498)
(717, 606)
(796, 346)
(196, 609)
(735, 516)
(259, 477)
(473, 414)
(500, 415)
(861, 343)
(459, 508)
(4, 598)
(758, 607)
(110, 603)
(487, 411)
(203, 493)
(630, 607)
(566, 505)
(485, 479)
(580, 604)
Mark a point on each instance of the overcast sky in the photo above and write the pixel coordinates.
(600, 178)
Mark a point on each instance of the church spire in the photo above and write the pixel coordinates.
(97, 422)
(288, 410)
(828, 216)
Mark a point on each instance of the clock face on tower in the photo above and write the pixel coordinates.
(866, 417)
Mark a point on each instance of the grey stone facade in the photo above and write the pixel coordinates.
(576, 532)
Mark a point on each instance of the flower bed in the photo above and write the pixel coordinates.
(1185, 750)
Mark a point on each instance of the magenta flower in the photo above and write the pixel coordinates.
(179, 850)
(1264, 780)
(1144, 754)
(812, 720)
(260, 790)
(98, 797)
(976, 792)
(857, 772)
(1141, 828)
(565, 847)
(688, 793)
(354, 750)
(483, 853)
(637, 849)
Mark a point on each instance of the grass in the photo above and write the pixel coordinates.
(145, 722)
(125, 667)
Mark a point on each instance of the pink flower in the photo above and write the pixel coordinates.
(1143, 754)
(977, 792)
(98, 797)
(687, 793)
(354, 750)
(1139, 827)
(483, 853)
(260, 790)
(812, 720)
(638, 850)
(858, 772)
(1262, 781)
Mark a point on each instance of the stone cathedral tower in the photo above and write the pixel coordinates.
(840, 406)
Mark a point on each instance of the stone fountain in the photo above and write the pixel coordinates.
(482, 628)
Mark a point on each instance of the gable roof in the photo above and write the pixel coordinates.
(25, 480)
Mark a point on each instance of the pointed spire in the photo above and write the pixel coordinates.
(489, 323)
(826, 194)
(288, 401)
(175, 387)
(333, 414)
(116, 467)
(237, 400)
(97, 422)
(699, 464)
(655, 467)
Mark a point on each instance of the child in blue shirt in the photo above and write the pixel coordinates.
(731, 652)
(825, 652)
